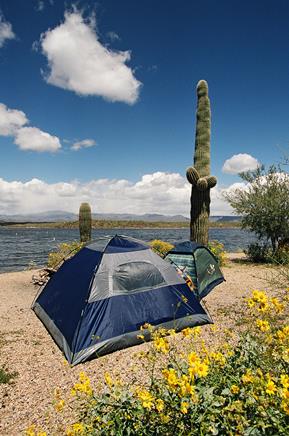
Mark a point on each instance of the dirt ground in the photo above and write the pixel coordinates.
(27, 348)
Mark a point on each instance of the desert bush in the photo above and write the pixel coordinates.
(258, 253)
(263, 253)
(196, 391)
(160, 247)
(217, 248)
(63, 252)
(6, 376)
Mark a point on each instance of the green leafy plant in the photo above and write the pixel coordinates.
(160, 247)
(217, 248)
(264, 204)
(63, 252)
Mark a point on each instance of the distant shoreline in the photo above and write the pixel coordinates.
(105, 224)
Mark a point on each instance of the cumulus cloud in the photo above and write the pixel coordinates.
(32, 138)
(6, 31)
(79, 62)
(239, 163)
(166, 193)
(85, 143)
(11, 120)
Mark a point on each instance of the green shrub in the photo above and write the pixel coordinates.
(259, 253)
(63, 252)
(263, 253)
(160, 247)
(217, 248)
(6, 376)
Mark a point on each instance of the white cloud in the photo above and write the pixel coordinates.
(239, 163)
(80, 63)
(32, 138)
(165, 193)
(11, 120)
(6, 31)
(113, 36)
(85, 143)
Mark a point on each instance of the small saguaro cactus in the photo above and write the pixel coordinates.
(85, 222)
(199, 175)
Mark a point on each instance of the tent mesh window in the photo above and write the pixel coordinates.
(186, 263)
(131, 276)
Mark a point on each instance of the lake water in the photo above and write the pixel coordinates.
(21, 246)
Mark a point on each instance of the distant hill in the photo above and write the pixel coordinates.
(62, 216)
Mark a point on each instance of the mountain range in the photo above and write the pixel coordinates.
(61, 216)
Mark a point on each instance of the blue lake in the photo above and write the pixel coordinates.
(20, 246)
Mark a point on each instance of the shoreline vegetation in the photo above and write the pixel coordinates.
(122, 224)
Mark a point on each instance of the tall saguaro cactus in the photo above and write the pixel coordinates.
(199, 175)
(85, 222)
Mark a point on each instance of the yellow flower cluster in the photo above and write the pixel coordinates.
(189, 332)
(76, 429)
(83, 386)
(264, 326)
(182, 385)
(284, 380)
(197, 366)
(162, 345)
(283, 334)
(259, 300)
(218, 357)
(247, 377)
(31, 431)
(149, 401)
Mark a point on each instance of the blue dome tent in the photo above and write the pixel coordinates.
(99, 299)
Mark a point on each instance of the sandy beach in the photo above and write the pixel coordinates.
(27, 348)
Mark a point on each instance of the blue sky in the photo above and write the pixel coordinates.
(98, 99)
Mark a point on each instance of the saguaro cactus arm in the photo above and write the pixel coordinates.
(84, 222)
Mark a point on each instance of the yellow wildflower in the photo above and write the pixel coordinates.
(284, 379)
(196, 331)
(248, 377)
(235, 389)
(160, 405)
(140, 337)
(264, 326)
(279, 307)
(202, 369)
(193, 358)
(171, 377)
(30, 431)
(270, 387)
(108, 379)
(162, 345)
(285, 407)
(187, 332)
(146, 398)
(59, 405)
(250, 302)
(184, 407)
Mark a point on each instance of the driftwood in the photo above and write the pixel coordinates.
(42, 277)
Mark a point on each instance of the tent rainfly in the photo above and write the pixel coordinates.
(197, 262)
(99, 299)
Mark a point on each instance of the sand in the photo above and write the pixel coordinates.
(27, 348)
